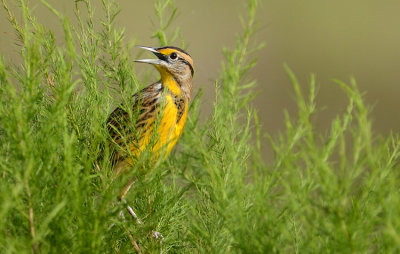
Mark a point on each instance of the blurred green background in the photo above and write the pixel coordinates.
(333, 39)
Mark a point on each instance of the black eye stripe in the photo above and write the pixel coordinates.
(179, 58)
(187, 63)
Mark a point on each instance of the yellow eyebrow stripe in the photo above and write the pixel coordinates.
(166, 51)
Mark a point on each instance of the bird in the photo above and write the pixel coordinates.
(159, 111)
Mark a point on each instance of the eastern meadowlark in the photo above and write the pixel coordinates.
(166, 100)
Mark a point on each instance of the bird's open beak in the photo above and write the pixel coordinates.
(151, 61)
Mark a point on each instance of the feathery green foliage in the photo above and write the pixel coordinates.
(335, 192)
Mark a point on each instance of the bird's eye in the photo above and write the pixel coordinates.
(173, 56)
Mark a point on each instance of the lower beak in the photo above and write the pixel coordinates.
(150, 61)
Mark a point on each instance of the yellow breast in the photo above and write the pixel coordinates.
(169, 129)
(168, 132)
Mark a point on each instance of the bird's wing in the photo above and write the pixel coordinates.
(125, 128)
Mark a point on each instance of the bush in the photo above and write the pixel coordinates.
(214, 194)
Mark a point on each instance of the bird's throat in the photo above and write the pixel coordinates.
(168, 80)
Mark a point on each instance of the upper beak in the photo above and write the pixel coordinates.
(150, 61)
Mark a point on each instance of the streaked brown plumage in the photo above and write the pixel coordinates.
(146, 106)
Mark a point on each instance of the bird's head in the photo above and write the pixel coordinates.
(171, 61)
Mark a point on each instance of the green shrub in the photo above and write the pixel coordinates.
(335, 193)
